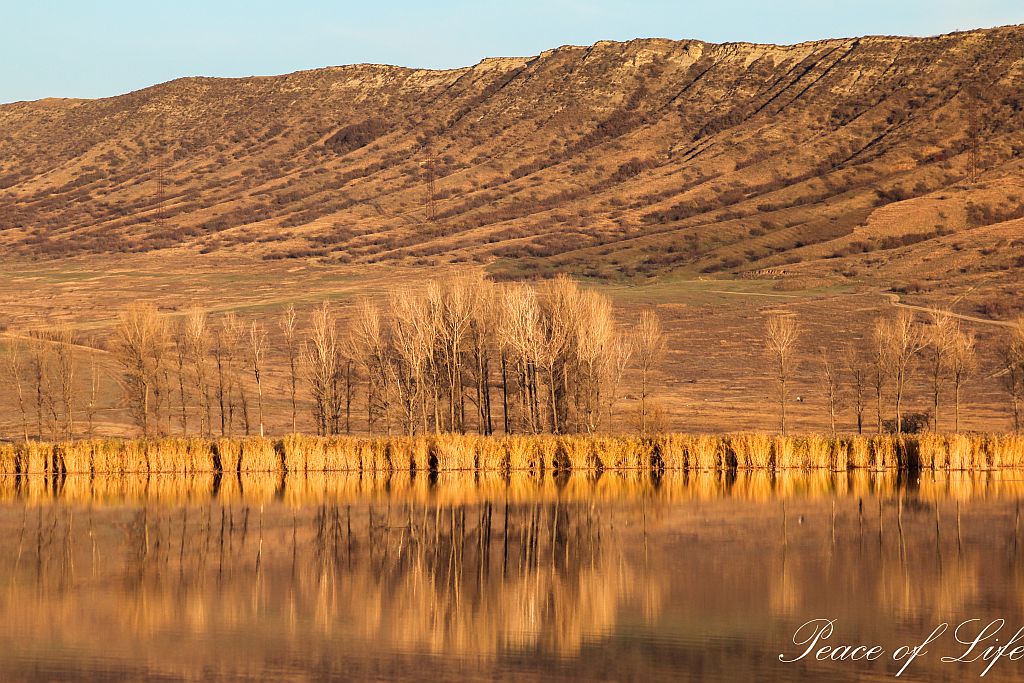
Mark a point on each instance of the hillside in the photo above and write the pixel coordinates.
(870, 160)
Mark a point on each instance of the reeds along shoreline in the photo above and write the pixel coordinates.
(454, 452)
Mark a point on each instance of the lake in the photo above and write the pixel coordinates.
(620, 576)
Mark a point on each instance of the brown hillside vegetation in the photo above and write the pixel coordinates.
(615, 159)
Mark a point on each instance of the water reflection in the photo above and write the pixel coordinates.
(620, 577)
(460, 488)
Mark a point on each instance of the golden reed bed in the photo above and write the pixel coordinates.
(454, 453)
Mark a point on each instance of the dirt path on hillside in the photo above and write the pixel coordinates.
(894, 299)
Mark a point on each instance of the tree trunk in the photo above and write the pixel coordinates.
(899, 402)
(956, 407)
(487, 396)
(878, 407)
(554, 406)
(259, 399)
(782, 400)
(291, 362)
(504, 392)
(643, 404)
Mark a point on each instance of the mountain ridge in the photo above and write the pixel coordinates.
(614, 160)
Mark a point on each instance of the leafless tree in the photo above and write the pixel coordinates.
(141, 348)
(829, 377)
(180, 340)
(411, 345)
(879, 368)
(455, 311)
(257, 349)
(1012, 357)
(14, 366)
(963, 364)
(238, 398)
(64, 355)
(321, 356)
(622, 355)
(371, 348)
(940, 340)
(520, 335)
(481, 334)
(288, 325)
(230, 393)
(904, 339)
(197, 344)
(781, 334)
(41, 374)
(92, 402)
(593, 346)
(859, 376)
(649, 345)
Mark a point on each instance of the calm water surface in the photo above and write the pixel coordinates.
(700, 577)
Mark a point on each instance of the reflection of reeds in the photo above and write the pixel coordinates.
(301, 488)
(456, 452)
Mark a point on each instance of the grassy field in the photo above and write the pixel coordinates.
(714, 376)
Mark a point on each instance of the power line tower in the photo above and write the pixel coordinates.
(431, 192)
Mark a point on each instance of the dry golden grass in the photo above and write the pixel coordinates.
(378, 456)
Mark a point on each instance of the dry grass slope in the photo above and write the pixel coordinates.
(608, 160)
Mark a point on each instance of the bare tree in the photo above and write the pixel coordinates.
(197, 344)
(92, 403)
(41, 372)
(879, 367)
(257, 349)
(455, 312)
(482, 329)
(963, 363)
(14, 365)
(829, 377)
(1012, 356)
(904, 340)
(858, 373)
(593, 345)
(320, 359)
(288, 327)
(180, 340)
(64, 353)
(141, 346)
(781, 334)
(238, 398)
(622, 354)
(520, 335)
(226, 342)
(410, 342)
(371, 348)
(940, 340)
(649, 345)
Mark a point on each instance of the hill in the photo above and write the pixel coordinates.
(855, 158)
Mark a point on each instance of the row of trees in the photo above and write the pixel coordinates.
(882, 365)
(443, 357)
(43, 382)
(463, 354)
(459, 355)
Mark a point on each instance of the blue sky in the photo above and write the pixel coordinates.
(97, 48)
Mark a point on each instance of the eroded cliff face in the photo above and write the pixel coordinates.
(630, 158)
